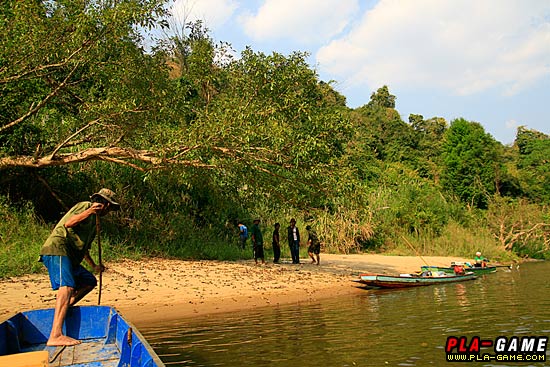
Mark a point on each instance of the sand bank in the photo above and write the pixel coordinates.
(162, 289)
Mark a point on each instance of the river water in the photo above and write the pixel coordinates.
(402, 327)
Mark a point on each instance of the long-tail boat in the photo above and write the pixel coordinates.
(107, 340)
(410, 280)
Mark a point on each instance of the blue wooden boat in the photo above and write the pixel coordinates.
(410, 280)
(107, 340)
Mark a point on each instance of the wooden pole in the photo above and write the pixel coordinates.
(417, 254)
(98, 229)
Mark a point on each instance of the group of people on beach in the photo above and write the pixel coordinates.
(293, 236)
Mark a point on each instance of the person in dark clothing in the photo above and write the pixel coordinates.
(257, 241)
(294, 241)
(276, 244)
(314, 245)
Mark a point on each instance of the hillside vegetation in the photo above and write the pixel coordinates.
(193, 139)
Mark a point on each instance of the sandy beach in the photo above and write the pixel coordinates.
(163, 289)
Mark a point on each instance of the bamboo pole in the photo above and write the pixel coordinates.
(412, 247)
(98, 229)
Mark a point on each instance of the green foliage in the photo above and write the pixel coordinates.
(470, 162)
(21, 236)
(379, 126)
(454, 240)
(405, 204)
(68, 67)
(534, 164)
(382, 98)
(193, 140)
(271, 127)
(426, 157)
(73, 76)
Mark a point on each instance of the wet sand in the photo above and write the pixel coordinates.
(162, 289)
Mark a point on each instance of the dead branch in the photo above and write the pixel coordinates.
(514, 236)
(126, 156)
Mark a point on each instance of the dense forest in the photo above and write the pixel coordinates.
(192, 138)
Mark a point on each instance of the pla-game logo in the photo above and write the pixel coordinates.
(502, 349)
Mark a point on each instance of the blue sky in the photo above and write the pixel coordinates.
(483, 60)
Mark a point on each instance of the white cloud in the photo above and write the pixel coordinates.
(213, 13)
(463, 47)
(304, 21)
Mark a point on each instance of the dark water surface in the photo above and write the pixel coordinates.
(404, 327)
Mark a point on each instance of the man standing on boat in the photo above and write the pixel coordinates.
(62, 254)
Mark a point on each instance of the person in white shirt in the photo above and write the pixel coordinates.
(294, 241)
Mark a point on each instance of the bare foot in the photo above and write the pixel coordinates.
(62, 340)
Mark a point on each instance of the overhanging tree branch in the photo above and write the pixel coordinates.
(127, 156)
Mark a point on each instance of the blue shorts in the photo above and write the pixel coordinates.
(64, 274)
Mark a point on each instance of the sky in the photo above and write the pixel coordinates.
(486, 61)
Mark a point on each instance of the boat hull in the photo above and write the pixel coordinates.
(399, 281)
(107, 338)
(450, 270)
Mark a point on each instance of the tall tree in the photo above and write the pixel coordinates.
(75, 81)
(429, 136)
(198, 62)
(272, 126)
(97, 95)
(382, 128)
(382, 98)
(534, 163)
(470, 162)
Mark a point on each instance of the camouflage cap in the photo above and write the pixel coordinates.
(109, 196)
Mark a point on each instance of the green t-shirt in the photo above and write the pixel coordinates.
(257, 234)
(71, 242)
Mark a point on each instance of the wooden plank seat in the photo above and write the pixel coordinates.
(28, 359)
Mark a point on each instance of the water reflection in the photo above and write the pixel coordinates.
(377, 328)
